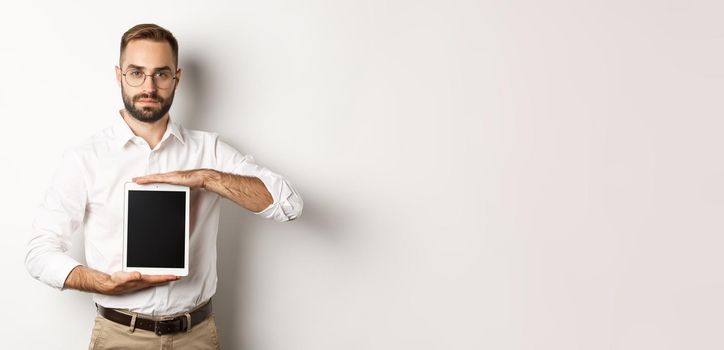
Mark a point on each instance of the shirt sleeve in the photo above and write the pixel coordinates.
(287, 203)
(59, 215)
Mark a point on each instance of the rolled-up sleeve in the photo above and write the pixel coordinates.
(59, 215)
(287, 204)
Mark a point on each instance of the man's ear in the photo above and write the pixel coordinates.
(119, 77)
(178, 76)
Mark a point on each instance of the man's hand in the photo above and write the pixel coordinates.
(126, 282)
(89, 280)
(246, 191)
(192, 178)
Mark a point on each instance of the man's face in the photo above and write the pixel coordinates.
(147, 102)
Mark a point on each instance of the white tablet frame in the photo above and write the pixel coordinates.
(132, 186)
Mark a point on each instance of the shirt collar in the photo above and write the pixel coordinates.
(123, 133)
(174, 129)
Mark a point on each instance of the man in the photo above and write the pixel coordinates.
(143, 311)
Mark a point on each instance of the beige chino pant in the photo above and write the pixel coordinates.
(109, 335)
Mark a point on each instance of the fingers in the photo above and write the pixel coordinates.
(126, 282)
(148, 179)
(191, 178)
(149, 281)
(171, 178)
(154, 279)
(126, 276)
(137, 277)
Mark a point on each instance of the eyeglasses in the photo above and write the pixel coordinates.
(162, 79)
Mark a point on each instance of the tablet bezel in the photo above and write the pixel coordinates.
(132, 186)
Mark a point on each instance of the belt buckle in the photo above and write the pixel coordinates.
(181, 321)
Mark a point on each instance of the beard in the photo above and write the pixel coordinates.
(147, 114)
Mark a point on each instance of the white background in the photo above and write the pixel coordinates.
(476, 174)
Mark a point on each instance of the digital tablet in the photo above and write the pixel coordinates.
(156, 229)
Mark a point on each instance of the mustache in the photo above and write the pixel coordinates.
(152, 96)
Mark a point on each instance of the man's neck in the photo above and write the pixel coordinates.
(151, 132)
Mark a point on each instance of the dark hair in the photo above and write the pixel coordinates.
(152, 32)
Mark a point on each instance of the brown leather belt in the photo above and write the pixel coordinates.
(181, 323)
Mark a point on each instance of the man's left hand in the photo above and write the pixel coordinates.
(191, 178)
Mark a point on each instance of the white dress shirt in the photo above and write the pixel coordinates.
(87, 190)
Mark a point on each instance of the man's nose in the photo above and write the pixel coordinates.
(149, 84)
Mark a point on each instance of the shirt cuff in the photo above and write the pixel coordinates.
(286, 204)
(54, 269)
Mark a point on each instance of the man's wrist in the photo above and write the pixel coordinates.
(88, 280)
(210, 178)
(102, 283)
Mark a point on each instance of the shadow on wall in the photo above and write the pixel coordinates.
(194, 84)
(233, 246)
(237, 226)
(236, 242)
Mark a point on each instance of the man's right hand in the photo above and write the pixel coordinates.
(126, 282)
(89, 280)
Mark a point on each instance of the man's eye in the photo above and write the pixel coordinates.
(163, 75)
(135, 74)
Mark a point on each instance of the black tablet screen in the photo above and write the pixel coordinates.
(156, 229)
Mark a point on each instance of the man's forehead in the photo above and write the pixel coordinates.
(149, 54)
